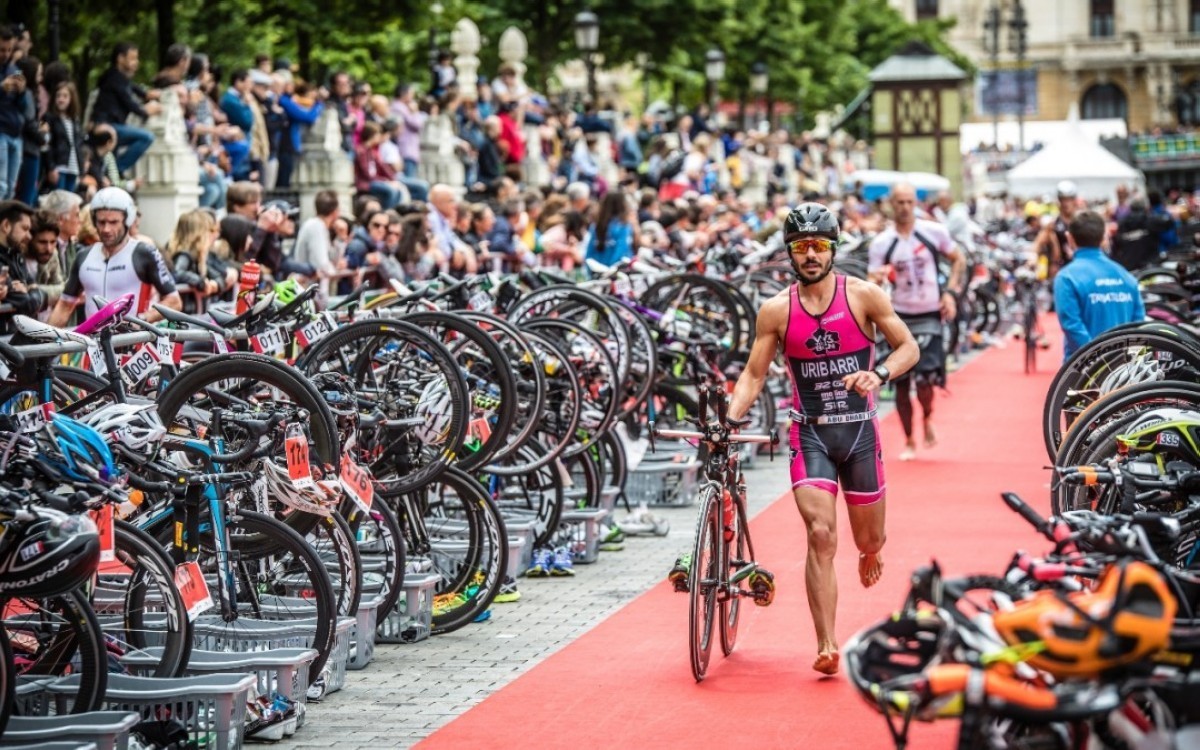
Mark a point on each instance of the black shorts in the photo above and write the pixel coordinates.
(931, 366)
(850, 454)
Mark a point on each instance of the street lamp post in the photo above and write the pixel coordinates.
(991, 44)
(759, 81)
(436, 9)
(587, 39)
(1018, 28)
(714, 72)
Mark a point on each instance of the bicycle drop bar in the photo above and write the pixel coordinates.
(694, 435)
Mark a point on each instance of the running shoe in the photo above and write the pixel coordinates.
(680, 572)
(508, 591)
(562, 564)
(543, 560)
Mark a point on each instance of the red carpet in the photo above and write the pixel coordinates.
(627, 683)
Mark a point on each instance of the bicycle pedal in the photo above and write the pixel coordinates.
(680, 584)
(762, 587)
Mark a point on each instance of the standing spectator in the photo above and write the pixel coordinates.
(444, 74)
(66, 138)
(176, 64)
(1093, 293)
(34, 134)
(357, 108)
(269, 122)
(339, 98)
(302, 110)
(16, 222)
(118, 97)
(408, 138)
(1169, 236)
(512, 141)
(1139, 233)
(371, 174)
(206, 132)
(41, 257)
(614, 237)
(63, 205)
(490, 165)
(313, 241)
(12, 114)
(235, 103)
(629, 150)
(506, 87)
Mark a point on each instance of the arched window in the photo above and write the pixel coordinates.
(1187, 104)
(1102, 101)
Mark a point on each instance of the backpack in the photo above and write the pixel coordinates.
(672, 165)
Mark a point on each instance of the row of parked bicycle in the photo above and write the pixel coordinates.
(1091, 643)
(208, 520)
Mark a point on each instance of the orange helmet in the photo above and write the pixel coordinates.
(1126, 618)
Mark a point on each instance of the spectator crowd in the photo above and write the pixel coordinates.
(681, 184)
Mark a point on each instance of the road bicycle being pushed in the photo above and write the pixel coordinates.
(722, 570)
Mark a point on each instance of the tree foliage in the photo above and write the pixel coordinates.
(818, 52)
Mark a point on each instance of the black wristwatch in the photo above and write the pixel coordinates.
(882, 372)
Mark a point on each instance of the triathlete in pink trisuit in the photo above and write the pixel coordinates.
(825, 325)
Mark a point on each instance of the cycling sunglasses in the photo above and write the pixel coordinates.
(811, 244)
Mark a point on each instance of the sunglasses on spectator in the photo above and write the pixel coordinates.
(811, 244)
(377, 225)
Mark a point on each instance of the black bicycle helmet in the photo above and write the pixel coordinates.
(811, 220)
(51, 555)
(903, 645)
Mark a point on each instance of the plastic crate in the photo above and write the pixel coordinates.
(362, 635)
(667, 482)
(580, 533)
(213, 634)
(281, 671)
(525, 531)
(107, 730)
(411, 620)
(67, 745)
(211, 708)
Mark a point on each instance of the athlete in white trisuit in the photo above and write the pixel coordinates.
(910, 249)
(116, 265)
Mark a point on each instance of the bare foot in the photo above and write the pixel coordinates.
(909, 452)
(827, 661)
(930, 436)
(870, 569)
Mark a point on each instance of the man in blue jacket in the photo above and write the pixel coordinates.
(1093, 293)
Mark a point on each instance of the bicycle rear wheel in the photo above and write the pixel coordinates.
(703, 578)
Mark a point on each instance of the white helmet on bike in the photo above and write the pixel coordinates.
(1141, 369)
(434, 407)
(135, 426)
(321, 499)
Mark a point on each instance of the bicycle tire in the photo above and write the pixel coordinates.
(277, 550)
(1079, 370)
(703, 583)
(406, 462)
(486, 368)
(334, 541)
(643, 366)
(75, 647)
(536, 495)
(170, 626)
(454, 525)
(8, 680)
(1159, 393)
(575, 304)
(381, 543)
(69, 384)
(600, 382)
(734, 551)
(698, 296)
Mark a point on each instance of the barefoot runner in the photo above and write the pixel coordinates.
(825, 326)
(909, 249)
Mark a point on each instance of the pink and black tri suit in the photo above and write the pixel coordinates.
(835, 433)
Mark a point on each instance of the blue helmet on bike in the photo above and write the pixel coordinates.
(78, 452)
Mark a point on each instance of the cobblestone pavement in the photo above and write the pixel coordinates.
(409, 691)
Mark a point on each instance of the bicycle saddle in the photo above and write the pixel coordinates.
(39, 331)
(229, 320)
(183, 319)
(109, 314)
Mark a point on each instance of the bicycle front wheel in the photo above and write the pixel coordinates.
(735, 554)
(704, 582)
